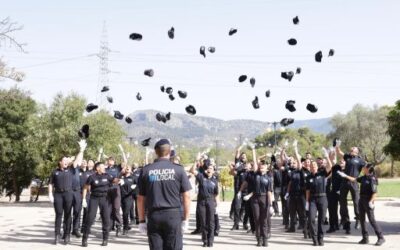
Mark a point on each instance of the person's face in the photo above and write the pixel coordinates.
(314, 167)
(354, 151)
(307, 164)
(319, 162)
(110, 162)
(308, 156)
(210, 171)
(263, 168)
(84, 164)
(342, 164)
(64, 162)
(243, 157)
(128, 170)
(101, 169)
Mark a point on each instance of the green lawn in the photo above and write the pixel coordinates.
(386, 188)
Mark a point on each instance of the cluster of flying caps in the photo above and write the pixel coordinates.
(286, 121)
(163, 118)
(243, 78)
(288, 75)
(211, 49)
(146, 142)
(90, 107)
(290, 105)
(318, 55)
(84, 132)
(149, 72)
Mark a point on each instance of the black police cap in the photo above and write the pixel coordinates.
(128, 120)
(110, 99)
(252, 82)
(268, 93)
(182, 94)
(159, 117)
(162, 88)
(242, 78)
(331, 52)
(203, 51)
(292, 41)
(190, 110)
(84, 132)
(149, 72)
(169, 90)
(171, 97)
(146, 142)
(287, 75)
(312, 108)
(90, 107)
(168, 116)
(318, 56)
(138, 96)
(105, 89)
(171, 33)
(211, 49)
(296, 20)
(161, 142)
(118, 115)
(255, 103)
(136, 36)
(290, 105)
(298, 70)
(232, 31)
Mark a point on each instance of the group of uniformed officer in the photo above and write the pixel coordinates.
(307, 188)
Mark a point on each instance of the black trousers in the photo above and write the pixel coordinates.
(63, 205)
(285, 208)
(248, 215)
(164, 229)
(126, 203)
(344, 212)
(198, 219)
(297, 204)
(76, 208)
(103, 203)
(333, 205)
(207, 219)
(277, 194)
(133, 215)
(317, 204)
(115, 205)
(85, 213)
(217, 225)
(365, 209)
(259, 204)
(237, 205)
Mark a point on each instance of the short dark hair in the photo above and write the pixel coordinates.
(97, 164)
(163, 150)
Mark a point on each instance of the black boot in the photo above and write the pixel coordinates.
(330, 230)
(195, 232)
(56, 239)
(356, 224)
(321, 241)
(204, 244)
(380, 241)
(209, 244)
(291, 230)
(84, 240)
(216, 232)
(118, 231)
(235, 227)
(124, 231)
(76, 233)
(364, 240)
(264, 242)
(314, 242)
(66, 239)
(258, 242)
(105, 239)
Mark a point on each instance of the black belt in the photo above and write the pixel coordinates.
(172, 209)
(97, 194)
(60, 190)
(76, 189)
(318, 195)
(261, 194)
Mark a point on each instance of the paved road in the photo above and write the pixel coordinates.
(30, 226)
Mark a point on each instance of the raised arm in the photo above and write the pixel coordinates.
(238, 151)
(100, 154)
(338, 150)
(253, 149)
(79, 157)
(296, 152)
(325, 153)
(121, 149)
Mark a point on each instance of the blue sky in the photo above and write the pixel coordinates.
(64, 36)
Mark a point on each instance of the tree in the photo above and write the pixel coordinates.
(365, 128)
(393, 146)
(7, 29)
(18, 160)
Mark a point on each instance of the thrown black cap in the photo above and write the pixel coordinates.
(162, 88)
(149, 72)
(287, 75)
(242, 78)
(312, 108)
(252, 82)
(171, 97)
(290, 105)
(163, 119)
(203, 51)
(211, 49)
(128, 120)
(331, 52)
(118, 115)
(161, 142)
(169, 90)
(292, 41)
(286, 121)
(105, 89)
(268, 93)
(90, 107)
(232, 31)
(190, 110)
(182, 94)
(159, 117)
(298, 70)
(146, 142)
(84, 132)
(110, 99)
(136, 36)
(255, 103)
(318, 56)
(171, 33)
(138, 96)
(296, 20)
(168, 116)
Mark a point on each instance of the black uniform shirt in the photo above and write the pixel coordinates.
(114, 170)
(286, 173)
(242, 178)
(126, 189)
(239, 168)
(353, 165)
(62, 179)
(277, 178)
(83, 176)
(76, 182)
(258, 184)
(162, 183)
(316, 183)
(208, 187)
(136, 175)
(99, 183)
(297, 182)
(336, 180)
(368, 185)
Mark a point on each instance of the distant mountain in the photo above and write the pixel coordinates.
(202, 131)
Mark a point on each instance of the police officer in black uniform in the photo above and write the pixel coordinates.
(334, 183)
(84, 174)
(277, 177)
(353, 166)
(239, 168)
(134, 212)
(161, 186)
(114, 195)
(99, 185)
(61, 181)
(207, 200)
(286, 170)
(76, 202)
(316, 198)
(368, 191)
(127, 190)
